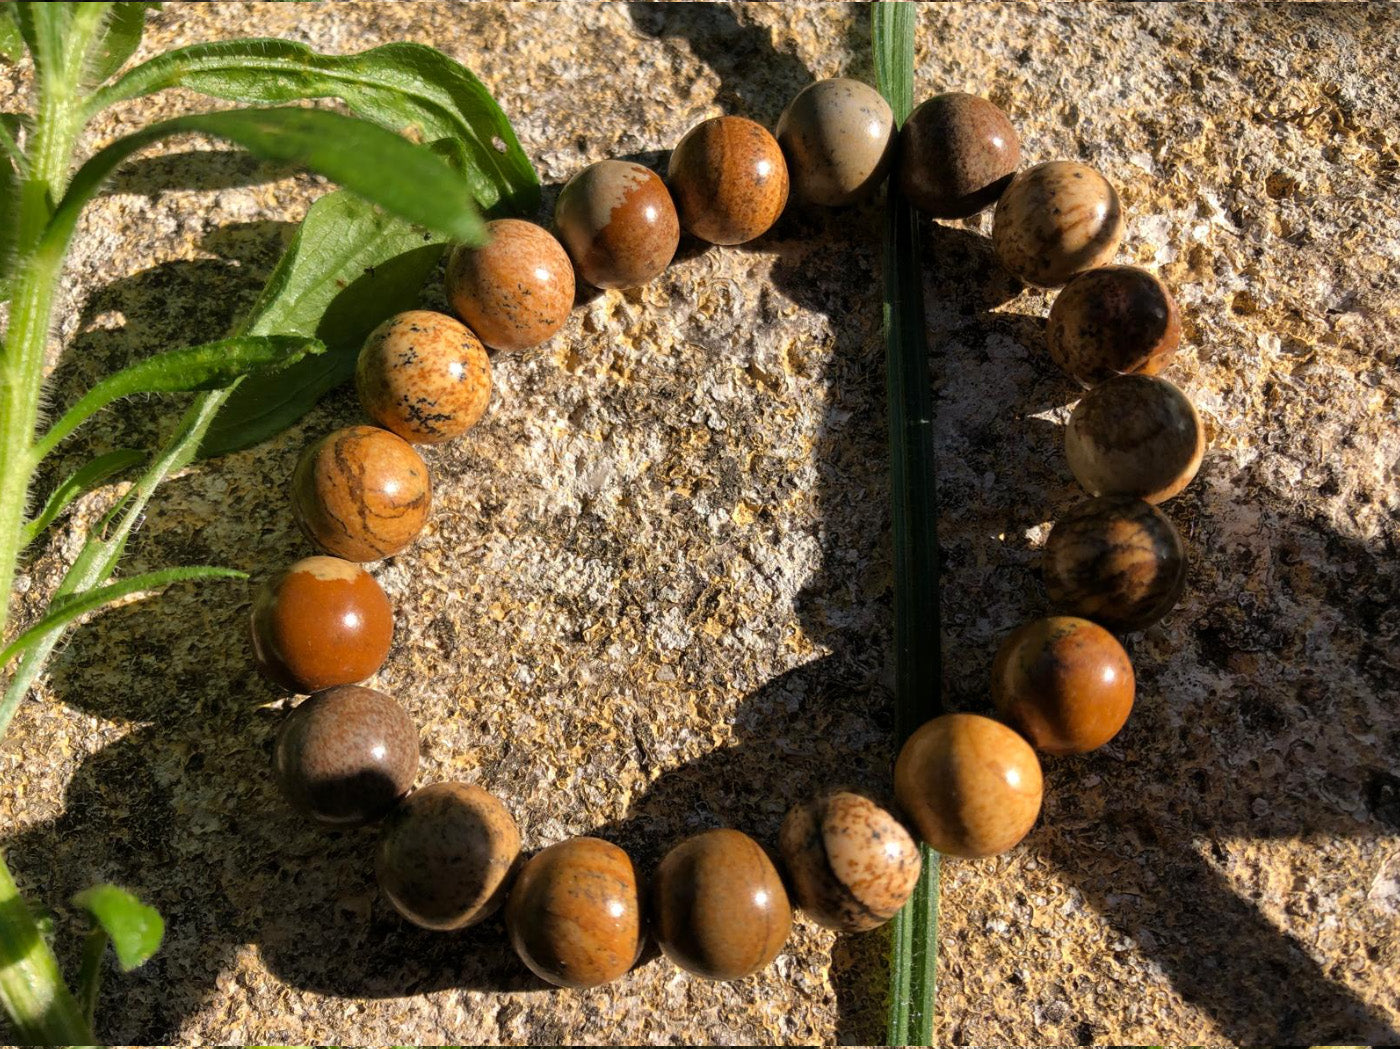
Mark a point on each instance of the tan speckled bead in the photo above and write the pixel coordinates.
(1056, 220)
(971, 785)
(718, 907)
(1135, 435)
(729, 179)
(575, 915)
(618, 223)
(446, 856)
(1114, 320)
(838, 138)
(517, 290)
(957, 153)
(425, 376)
(851, 863)
(361, 493)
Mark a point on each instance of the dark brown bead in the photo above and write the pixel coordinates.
(322, 622)
(1135, 435)
(718, 907)
(957, 153)
(1113, 321)
(1056, 220)
(1065, 683)
(515, 291)
(852, 864)
(1116, 560)
(361, 493)
(346, 755)
(729, 179)
(838, 138)
(446, 856)
(574, 914)
(618, 223)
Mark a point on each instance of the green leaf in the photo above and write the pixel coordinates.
(892, 37)
(209, 367)
(136, 930)
(9, 197)
(349, 267)
(119, 40)
(87, 477)
(407, 88)
(11, 40)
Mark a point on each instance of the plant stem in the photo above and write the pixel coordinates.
(90, 972)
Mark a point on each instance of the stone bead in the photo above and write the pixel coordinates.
(346, 755)
(1113, 321)
(514, 292)
(838, 138)
(574, 915)
(1116, 560)
(618, 223)
(729, 180)
(322, 622)
(1135, 435)
(361, 493)
(852, 865)
(1064, 682)
(446, 856)
(957, 153)
(971, 785)
(425, 376)
(1056, 220)
(718, 907)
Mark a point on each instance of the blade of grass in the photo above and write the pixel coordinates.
(914, 517)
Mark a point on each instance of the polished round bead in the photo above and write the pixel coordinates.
(574, 914)
(1116, 560)
(729, 180)
(971, 785)
(514, 292)
(324, 621)
(446, 856)
(346, 755)
(361, 493)
(425, 376)
(852, 865)
(618, 223)
(1110, 321)
(838, 138)
(1056, 220)
(1064, 682)
(1135, 435)
(718, 907)
(957, 153)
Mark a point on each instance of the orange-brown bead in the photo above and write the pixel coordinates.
(574, 914)
(425, 376)
(324, 621)
(1135, 435)
(1065, 683)
(1110, 321)
(971, 785)
(514, 292)
(957, 153)
(1055, 220)
(729, 179)
(361, 493)
(618, 223)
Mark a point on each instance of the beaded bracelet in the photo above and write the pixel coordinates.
(450, 853)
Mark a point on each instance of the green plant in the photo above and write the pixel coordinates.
(425, 153)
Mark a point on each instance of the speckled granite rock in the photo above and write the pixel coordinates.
(655, 593)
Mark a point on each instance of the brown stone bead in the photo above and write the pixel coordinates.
(971, 785)
(322, 622)
(517, 290)
(1064, 682)
(1135, 435)
(425, 376)
(446, 856)
(718, 907)
(361, 493)
(852, 865)
(1056, 220)
(618, 223)
(838, 138)
(346, 755)
(574, 915)
(1116, 560)
(1110, 321)
(729, 179)
(957, 153)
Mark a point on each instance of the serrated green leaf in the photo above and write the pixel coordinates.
(136, 929)
(407, 88)
(120, 37)
(86, 478)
